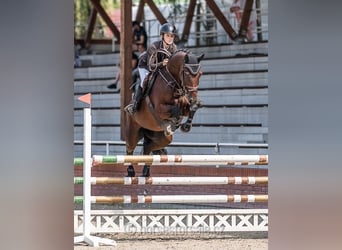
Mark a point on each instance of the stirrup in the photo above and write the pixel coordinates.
(130, 109)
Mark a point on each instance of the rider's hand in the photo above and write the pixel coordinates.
(165, 61)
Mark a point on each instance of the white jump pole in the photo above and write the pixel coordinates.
(87, 163)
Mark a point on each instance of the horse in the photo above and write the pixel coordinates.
(166, 103)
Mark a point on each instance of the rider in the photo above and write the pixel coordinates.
(153, 58)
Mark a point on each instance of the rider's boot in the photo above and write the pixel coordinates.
(133, 106)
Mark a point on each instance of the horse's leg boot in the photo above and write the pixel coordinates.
(146, 171)
(130, 171)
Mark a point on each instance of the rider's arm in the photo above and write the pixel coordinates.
(152, 62)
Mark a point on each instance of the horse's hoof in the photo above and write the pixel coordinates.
(185, 128)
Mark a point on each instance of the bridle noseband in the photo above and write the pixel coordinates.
(194, 69)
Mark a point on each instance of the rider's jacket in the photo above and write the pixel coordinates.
(153, 57)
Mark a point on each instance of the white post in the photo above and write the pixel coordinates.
(87, 164)
(86, 171)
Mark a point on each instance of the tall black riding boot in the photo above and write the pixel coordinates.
(133, 106)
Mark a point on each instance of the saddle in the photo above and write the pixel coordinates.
(151, 77)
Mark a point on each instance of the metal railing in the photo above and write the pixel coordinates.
(215, 145)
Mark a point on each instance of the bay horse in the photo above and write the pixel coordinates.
(167, 101)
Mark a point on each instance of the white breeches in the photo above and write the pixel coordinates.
(142, 73)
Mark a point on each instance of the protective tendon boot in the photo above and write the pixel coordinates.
(130, 171)
(133, 106)
(146, 171)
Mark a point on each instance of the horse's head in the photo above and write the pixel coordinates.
(186, 69)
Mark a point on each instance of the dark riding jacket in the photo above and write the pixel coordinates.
(153, 57)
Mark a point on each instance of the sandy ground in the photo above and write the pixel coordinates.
(229, 241)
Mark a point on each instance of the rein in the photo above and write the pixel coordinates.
(180, 91)
(179, 87)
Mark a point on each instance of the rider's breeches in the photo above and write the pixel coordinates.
(142, 73)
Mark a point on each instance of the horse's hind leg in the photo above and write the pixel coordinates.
(130, 168)
(162, 151)
(146, 151)
(154, 142)
(130, 171)
(132, 139)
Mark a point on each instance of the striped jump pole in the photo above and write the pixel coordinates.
(173, 180)
(87, 164)
(78, 161)
(161, 160)
(174, 199)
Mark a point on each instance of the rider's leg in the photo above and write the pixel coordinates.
(137, 96)
(142, 73)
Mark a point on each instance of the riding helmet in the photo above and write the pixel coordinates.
(168, 28)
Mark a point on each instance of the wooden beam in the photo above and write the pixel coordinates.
(222, 19)
(245, 18)
(156, 11)
(258, 19)
(106, 18)
(140, 11)
(91, 25)
(198, 23)
(188, 20)
(125, 62)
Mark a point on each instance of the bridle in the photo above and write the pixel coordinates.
(194, 69)
(180, 89)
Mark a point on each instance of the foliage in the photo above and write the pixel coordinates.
(82, 11)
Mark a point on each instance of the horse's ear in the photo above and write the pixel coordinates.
(186, 58)
(199, 58)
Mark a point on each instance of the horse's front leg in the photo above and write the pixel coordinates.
(186, 126)
(167, 111)
(171, 116)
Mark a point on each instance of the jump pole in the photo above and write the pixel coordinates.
(179, 160)
(87, 163)
(174, 199)
(210, 180)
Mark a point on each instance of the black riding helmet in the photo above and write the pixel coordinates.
(167, 28)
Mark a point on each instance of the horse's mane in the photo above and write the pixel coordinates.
(186, 51)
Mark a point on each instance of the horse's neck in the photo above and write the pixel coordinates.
(175, 64)
(168, 78)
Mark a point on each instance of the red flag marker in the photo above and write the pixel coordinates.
(85, 98)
